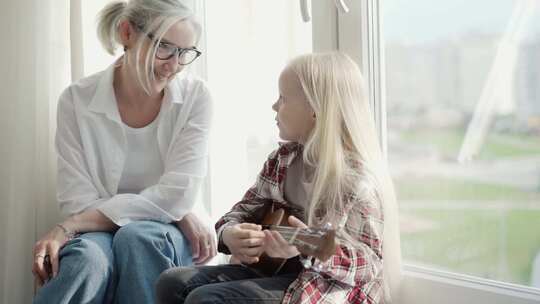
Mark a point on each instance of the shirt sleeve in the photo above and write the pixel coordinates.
(359, 263)
(75, 191)
(252, 207)
(185, 168)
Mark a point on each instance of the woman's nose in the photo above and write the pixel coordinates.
(172, 63)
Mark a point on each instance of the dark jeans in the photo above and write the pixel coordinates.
(236, 284)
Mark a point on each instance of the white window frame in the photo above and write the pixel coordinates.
(358, 33)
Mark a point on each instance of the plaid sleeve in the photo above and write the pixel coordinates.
(360, 264)
(252, 207)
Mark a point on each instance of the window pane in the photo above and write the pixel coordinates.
(248, 44)
(463, 98)
(94, 57)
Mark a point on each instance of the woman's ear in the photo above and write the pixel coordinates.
(127, 34)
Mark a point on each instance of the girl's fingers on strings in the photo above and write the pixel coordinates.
(295, 222)
(250, 226)
(252, 242)
(247, 259)
(252, 252)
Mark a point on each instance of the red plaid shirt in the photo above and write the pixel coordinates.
(351, 275)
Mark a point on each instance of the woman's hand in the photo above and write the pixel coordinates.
(276, 246)
(245, 241)
(201, 239)
(46, 251)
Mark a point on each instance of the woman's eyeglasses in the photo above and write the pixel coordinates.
(166, 51)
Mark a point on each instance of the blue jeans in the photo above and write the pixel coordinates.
(121, 267)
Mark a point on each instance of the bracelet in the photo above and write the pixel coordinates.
(67, 233)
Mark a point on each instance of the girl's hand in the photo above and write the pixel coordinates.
(46, 251)
(201, 239)
(276, 246)
(245, 241)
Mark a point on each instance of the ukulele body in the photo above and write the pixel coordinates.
(319, 243)
(267, 265)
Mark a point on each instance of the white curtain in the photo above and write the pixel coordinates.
(34, 60)
(247, 47)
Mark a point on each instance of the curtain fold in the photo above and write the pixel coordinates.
(35, 63)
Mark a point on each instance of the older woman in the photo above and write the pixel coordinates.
(132, 148)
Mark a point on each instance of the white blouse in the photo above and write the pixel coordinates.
(92, 149)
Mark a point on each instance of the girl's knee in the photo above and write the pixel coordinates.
(172, 284)
(204, 295)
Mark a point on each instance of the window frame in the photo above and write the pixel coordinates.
(333, 30)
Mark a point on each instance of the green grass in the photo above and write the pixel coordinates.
(436, 188)
(500, 146)
(493, 244)
(448, 142)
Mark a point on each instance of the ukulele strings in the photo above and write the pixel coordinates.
(288, 231)
(290, 234)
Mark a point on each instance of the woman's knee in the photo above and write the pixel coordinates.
(91, 252)
(148, 237)
(133, 234)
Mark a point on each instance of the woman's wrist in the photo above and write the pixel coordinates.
(69, 227)
(69, 234)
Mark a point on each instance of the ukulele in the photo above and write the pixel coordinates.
(319, 243)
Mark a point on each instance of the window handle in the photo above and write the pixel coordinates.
(342, 6)
(304, 8)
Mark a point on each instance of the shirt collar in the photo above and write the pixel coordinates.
(104, 100)
(173, 92)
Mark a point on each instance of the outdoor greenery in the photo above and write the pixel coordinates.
(495, 244)
(446, 189)
(448, 142)
(455, 223)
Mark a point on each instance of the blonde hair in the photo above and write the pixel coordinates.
(344, 149)
(147, 16)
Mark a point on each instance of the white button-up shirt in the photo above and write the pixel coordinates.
(91, 145)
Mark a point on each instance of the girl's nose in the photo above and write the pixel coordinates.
(275, 106)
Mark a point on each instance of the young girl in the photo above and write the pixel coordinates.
(331, 170)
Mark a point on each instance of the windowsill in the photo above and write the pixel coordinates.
(423, 285)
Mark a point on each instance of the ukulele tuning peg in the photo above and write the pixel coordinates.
(320, 266)
(306, 263)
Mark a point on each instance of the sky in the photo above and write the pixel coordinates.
(417, 21)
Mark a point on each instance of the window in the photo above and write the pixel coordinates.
(248, 44)
(464, 134)
(453, 91)
(93, 57)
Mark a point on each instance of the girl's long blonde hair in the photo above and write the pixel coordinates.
(344, 149)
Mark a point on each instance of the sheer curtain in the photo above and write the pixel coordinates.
(35, 68)
(246, 50)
